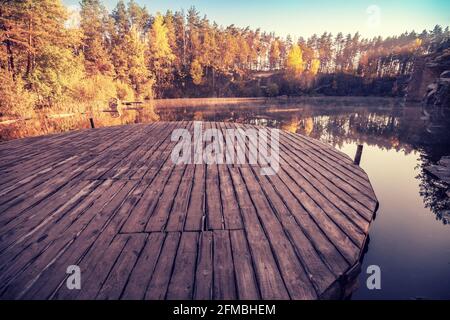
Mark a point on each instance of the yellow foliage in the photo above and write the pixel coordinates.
(308, 126)
(124, 91)
(417, 43)
(159, 40)
(14, 99)
(315, 65)
(294, 63)
(95, 88)
(196, 72)
(291, 126)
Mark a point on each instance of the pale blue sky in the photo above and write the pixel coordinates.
(303, 18)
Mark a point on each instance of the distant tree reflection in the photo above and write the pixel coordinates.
(388, 127)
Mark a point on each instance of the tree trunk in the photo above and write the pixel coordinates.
(10, 59)
(30, 46)
(214, 81)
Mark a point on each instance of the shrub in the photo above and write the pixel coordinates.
(272, 90)
(124, 91)
(15, 100)
(95, 88)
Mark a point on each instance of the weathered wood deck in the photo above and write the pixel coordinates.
(111, 201)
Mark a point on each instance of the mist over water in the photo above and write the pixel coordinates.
(410, 237)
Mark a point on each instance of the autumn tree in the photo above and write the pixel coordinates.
(294, 62)
(39, 49)
(196, 72)
(160, 55)
(179, 47)
(94, 22)
(315, 65)
(275, 54)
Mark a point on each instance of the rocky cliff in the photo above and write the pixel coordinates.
(430, 81)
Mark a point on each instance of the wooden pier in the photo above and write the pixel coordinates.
(111, 201)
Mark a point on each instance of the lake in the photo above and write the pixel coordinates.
(410, 237)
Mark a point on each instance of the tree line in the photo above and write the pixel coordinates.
(128, 53)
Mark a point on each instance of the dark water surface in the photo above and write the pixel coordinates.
(410, 237)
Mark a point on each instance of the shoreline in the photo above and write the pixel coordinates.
(196, 102)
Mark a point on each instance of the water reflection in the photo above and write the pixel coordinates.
(386, 125)
(43, 124)
(410, 239)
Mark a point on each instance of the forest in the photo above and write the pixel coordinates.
(57, 59)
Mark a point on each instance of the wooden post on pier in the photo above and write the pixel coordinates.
(358, 154)
(91, 121)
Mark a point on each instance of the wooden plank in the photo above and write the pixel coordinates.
(214, 217)
(204, 271)
(157, 152)
(20, 228)
(326, 150)
(214, 214)
(333, 258)
(231, 214)
(343, 240)
(47, 187)
(348, 249)
(317, 270)
(70, 245)
(179, 210)
(125, 167)
(292, 271)
(196, 209)
(314, 174)
(159, 283)
(246, 285)
(314, 200)
(181, 284)
(290, 235)
(140, 215)
(363, 194)
(345, 172)
(326, 190)
(160, 214)
(93, 283)
(88, 247)
(158, 177)
(323, 190)
(117, 278)
(20, 251)
(270, 282)
(224, 283)
(141, 274)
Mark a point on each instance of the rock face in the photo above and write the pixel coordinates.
(430, 81)
(438, 93)
(441, 170)
(421, 78)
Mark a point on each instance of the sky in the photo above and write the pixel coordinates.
(306, 17)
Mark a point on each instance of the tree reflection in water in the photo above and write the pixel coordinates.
(386, 124)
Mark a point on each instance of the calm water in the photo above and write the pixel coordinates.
(410, 237)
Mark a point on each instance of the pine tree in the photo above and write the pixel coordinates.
(39, 47)
(274, 54)
(160, 55)
(94, 25)
(128, 52)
